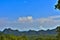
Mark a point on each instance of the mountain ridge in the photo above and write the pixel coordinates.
(30, 32)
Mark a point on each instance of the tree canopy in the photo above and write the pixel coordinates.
(57, 6)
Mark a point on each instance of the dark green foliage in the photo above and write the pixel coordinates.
(58, 33)
(58, 5)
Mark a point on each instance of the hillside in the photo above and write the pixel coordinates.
(9, 34)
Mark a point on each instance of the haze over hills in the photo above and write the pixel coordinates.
(30, 32)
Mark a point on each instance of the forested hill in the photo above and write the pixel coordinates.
(9, 34)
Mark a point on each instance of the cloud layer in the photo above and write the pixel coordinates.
(27, 23)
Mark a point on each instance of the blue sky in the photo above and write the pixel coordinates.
(13, 10)
(35, 8)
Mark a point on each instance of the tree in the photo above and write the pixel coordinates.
(57, 6)
(58, 33)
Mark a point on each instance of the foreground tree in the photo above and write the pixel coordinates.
(58, 33)
(57, 6)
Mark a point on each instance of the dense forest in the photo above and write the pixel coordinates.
(34, 37)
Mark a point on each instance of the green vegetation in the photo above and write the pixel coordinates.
(25, 37)
(12, 37)
(58, 33)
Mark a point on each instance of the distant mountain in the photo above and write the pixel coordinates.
(30, 32)
(10, 31)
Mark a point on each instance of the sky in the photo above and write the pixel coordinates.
(29, 14)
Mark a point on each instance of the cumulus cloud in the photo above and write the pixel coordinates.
(25, 19)
(27, 23)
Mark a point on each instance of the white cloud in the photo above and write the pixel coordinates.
(50, 22)
(26, 23)
(47, 23)
(24, 19)
(29, 17)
